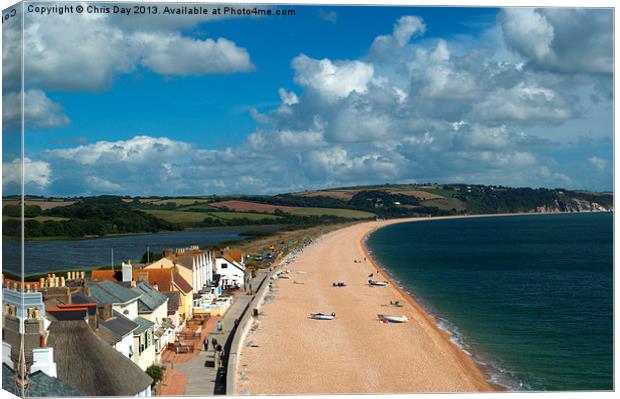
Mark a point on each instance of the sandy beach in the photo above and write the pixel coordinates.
(288, 353)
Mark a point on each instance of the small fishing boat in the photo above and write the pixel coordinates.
(393, 319)
(322, 316)
(378, 283)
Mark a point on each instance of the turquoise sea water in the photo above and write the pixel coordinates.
(529, 296)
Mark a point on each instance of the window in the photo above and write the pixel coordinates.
(224, 265)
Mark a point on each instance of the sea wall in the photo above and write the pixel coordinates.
(241, 332)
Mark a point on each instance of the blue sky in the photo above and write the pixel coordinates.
(331, 96)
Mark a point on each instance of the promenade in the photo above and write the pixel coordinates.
(199, 374)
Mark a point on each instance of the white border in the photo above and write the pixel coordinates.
(479, 3)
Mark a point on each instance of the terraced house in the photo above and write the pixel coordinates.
(114, 297)
(153, 306)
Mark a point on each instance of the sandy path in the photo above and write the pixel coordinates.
(354, 353)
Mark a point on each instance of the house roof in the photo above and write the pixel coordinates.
(81, 298)
(180, 282)
(234, 262)
(108, 292)
(40, 384)
(143, 324)
(166, 324)
(161, 277)
(86, 362)
(106, 275)
(116, 327)
(185, 260)
(150, 298)
(236, 255)
(174, 301)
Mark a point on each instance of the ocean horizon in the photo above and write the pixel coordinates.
(530, 298)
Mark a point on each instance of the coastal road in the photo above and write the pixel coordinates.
(201, 375)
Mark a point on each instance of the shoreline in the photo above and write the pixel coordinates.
(287, 353)
(415, 302)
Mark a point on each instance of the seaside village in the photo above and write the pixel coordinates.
(97, 333)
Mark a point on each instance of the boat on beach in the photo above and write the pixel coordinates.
(322, 316)
(378, 283)
(393, 319)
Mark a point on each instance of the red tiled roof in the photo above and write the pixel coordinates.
(161, 277)
(105, 275)
(235, 255)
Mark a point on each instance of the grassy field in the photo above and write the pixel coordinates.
(438, 191)
(180, 201)
(248, 206)
(239, 215)
(43, 204)
(445, 204)
(344, 195)
(202, 207)
(347, 213)
(196, 217)
(423, 195)
(178, 216)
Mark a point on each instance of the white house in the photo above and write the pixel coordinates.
(124, 302)
(232, 273)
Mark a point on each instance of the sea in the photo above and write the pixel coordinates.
(530, 298)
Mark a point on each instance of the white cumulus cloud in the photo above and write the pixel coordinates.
(332, 80)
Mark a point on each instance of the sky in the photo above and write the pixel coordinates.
(332, 96)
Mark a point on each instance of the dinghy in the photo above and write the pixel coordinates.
(378, 283)
(393, 319)
(322, 316)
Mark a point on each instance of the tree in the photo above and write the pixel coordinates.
(156, 373)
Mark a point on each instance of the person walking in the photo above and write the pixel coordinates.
(206, 343)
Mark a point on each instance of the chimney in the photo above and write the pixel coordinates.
(42, 282)
(82, 275)
(106, 311)
(156, 286)
(143, 276)
(62, 281)
(127, 271)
